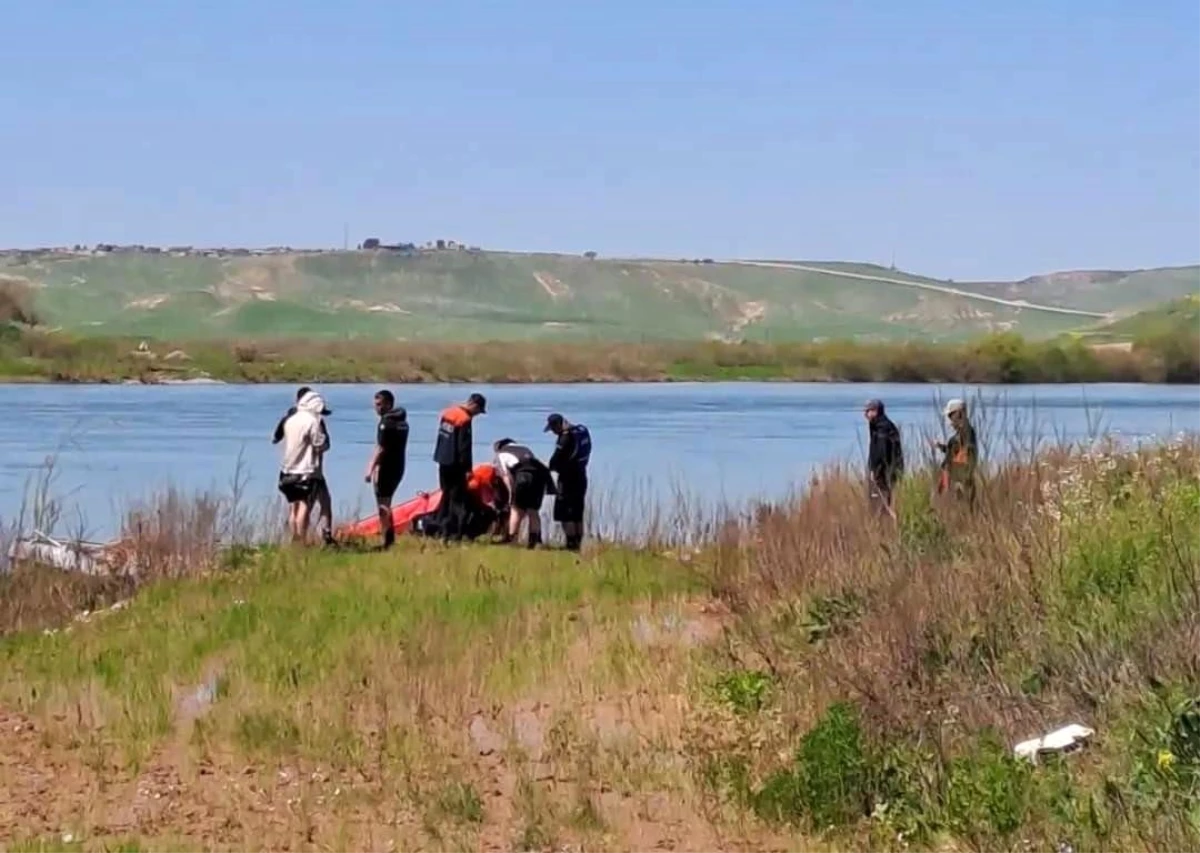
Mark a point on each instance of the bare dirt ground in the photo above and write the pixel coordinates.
(554, 287)
(567, 767)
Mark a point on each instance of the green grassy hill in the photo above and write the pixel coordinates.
(499, 295)
(1101, 290)
(1177, 317)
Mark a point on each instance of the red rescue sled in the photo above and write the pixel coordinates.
(402, 516)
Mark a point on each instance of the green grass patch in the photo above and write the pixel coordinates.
(291, 627)
(686, 370)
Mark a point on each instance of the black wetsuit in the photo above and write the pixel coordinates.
(391, 436)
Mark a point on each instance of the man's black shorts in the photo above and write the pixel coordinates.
(386, 484)
(568, 506)
(299, 488)
(529, 490)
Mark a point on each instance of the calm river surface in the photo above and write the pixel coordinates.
(733, 441)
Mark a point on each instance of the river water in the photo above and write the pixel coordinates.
(110, 445)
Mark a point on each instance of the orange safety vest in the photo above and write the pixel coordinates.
(482, 483)
(456, 416)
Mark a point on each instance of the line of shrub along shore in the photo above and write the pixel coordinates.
(27, 356)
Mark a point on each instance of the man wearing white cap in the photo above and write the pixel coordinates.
(961, 453)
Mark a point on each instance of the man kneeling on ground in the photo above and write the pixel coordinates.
(484, 505)
(527, 479)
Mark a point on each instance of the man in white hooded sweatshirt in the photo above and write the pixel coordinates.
(301, 473)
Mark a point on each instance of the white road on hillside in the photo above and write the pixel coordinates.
(938, 288)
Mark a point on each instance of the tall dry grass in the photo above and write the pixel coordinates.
(916, 651)
(169, 534)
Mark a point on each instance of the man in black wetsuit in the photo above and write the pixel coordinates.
(572, 452)
(386, 468)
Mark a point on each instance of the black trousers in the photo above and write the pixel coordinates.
(454, 506)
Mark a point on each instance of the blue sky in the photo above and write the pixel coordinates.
(972, 140)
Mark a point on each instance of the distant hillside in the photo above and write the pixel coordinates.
(471, 295)
(1120, 292)
(1171, 318)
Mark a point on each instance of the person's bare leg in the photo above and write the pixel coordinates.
(303, 517)
(296, 521)
(325, 512)
(514, 524)
(535, 528)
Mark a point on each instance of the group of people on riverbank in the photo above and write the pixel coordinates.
(498, 497)
(885, 455)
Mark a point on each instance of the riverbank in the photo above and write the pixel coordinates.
(55, 357)
(806, 677)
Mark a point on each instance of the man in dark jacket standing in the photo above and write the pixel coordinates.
(572, 452)
(453, 454)
(885, 457)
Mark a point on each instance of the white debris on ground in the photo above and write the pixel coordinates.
(89, 558)
(81, 557)
(1066, 739)
(85, 616)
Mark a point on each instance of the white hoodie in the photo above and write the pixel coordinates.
(304, 438)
